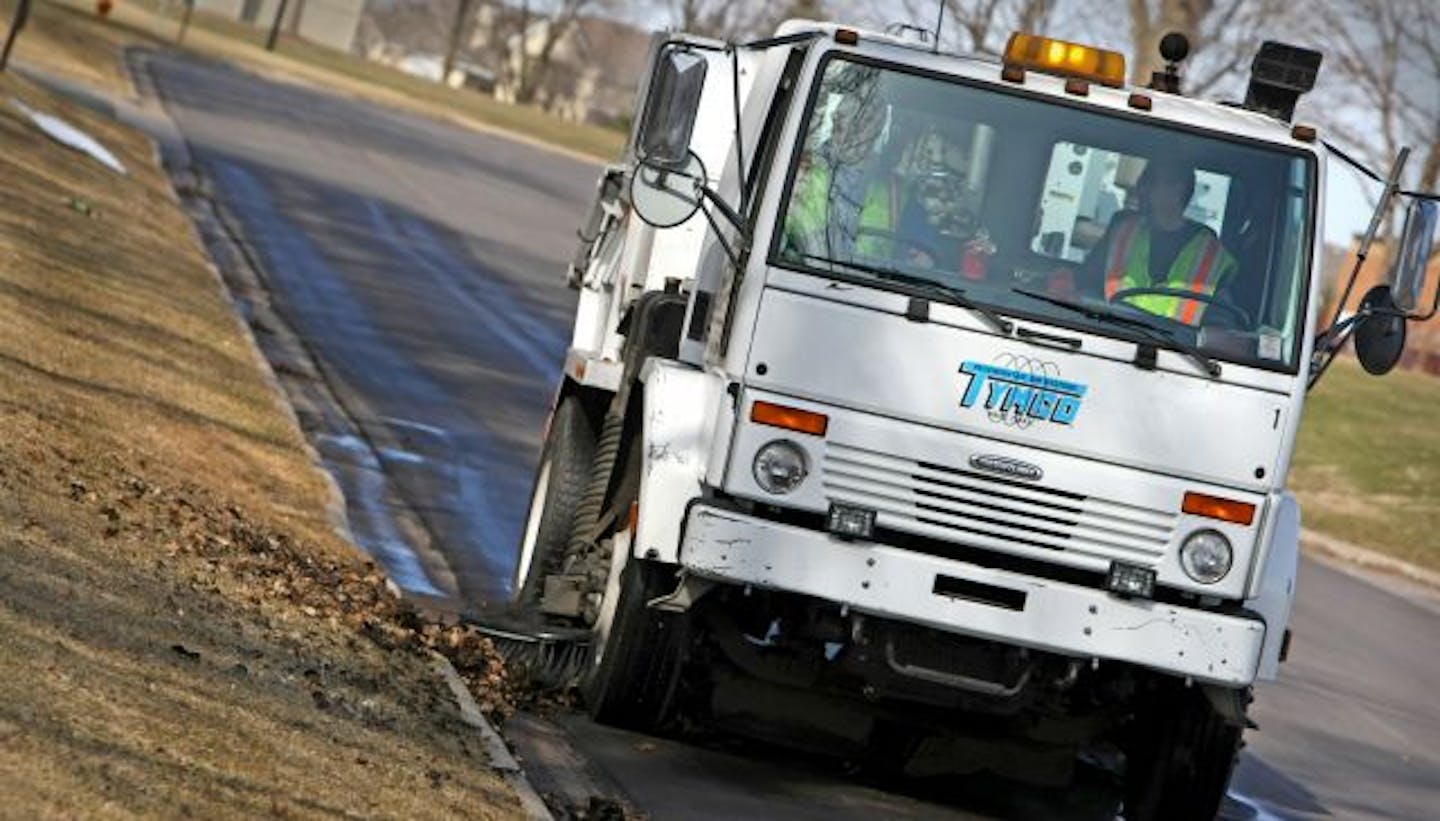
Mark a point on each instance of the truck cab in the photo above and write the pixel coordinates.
(940, 405)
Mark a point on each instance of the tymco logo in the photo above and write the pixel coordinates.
(1020, 390)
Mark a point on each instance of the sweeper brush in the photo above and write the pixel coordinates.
(541, 657)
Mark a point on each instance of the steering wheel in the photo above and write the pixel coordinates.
(1233, 311)
(903, 243)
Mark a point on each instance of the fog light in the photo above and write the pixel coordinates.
(1131, 581)
(1206, 556)
(779, 467)
(850, 522)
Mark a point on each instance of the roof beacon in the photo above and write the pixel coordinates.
(1065, 59)
(1279, 74)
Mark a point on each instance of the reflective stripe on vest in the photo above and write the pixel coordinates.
(1201, 284)
(1197, 268)
(1120, 256)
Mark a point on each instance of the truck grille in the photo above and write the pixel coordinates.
(983, 510)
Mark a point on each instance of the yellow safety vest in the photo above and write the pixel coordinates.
(1201, 266)
(810, 211)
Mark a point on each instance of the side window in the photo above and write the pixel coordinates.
(1085, 187)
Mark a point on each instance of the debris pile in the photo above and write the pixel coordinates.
(265, 566)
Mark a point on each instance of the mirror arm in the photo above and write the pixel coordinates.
(1428, 315)
(1392, 186)
(731, 216)
(730, 251)
(1332, 341)
(1329, 343)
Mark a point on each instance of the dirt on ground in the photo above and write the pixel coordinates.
(182, 629)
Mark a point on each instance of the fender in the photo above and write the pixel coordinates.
(1274, 591)
(680, 411)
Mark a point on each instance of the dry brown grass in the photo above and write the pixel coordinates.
(181, 630)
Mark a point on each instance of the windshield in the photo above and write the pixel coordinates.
(1012, 199)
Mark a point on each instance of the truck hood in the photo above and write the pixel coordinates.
(1006, 389)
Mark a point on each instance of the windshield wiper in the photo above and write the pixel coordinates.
(930, 288)
(1158, 336)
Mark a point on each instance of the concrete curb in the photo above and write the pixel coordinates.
(1368, 559)
(501, 759)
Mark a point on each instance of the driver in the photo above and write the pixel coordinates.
(1159, 252)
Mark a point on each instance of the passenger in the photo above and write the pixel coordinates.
(850, 200)
(934, 221)
(835, 193)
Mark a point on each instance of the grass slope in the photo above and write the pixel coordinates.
(182, 633)
(1367, 467)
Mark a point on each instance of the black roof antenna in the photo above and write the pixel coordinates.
(1174, 47)
(939, 26)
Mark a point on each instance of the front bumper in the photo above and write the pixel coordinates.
(889, 582)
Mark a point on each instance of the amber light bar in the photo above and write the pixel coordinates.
(779, 416)
(1213, 507)
(1066, 59)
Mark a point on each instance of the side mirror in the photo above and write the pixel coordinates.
(665, 197)
(1417, 243)
(1380, 332)
(671, 107)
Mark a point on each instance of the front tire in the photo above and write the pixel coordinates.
(559, 483)
(1179, 764)
(636, 658)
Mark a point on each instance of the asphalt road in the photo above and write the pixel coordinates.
(421, 263)
(422, 266)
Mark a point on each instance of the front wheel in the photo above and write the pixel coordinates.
(559, 482)
(637, 651)
(1179, 763)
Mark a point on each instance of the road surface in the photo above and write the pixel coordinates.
(421, 264)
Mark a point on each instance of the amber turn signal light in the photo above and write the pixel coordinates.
(1213, 507)
(779, 416)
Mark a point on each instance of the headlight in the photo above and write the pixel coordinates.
(1206, 556)
(780, 467)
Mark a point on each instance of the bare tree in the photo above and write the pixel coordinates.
(538, 33)
(464, 19)
(1223, 34)
(729, 20)
(978, 26)
(297, 17)
(1383, 58)
(986, 25)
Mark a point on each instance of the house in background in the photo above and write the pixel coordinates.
(331, 23)
(594, 68)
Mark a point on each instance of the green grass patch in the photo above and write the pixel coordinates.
(1367, 466)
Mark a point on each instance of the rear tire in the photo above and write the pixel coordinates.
(1178, 766)
(559, 482)
(635, 664)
